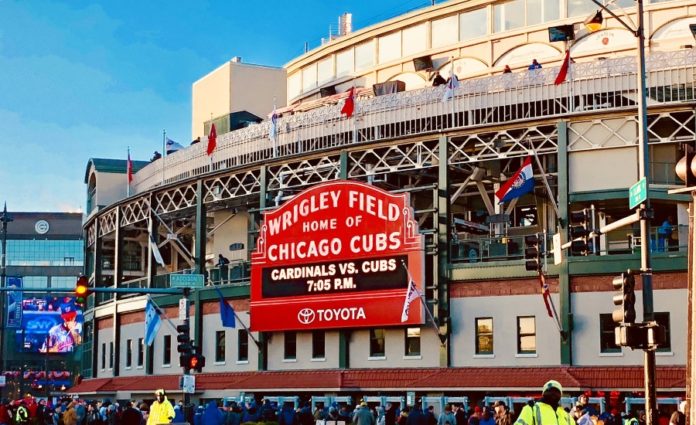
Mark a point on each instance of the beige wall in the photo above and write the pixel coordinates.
(234, 230)
(619, 169)
(111, 187)
(236, 87)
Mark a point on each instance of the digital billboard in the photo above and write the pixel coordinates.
(340, 254)
(49, 325)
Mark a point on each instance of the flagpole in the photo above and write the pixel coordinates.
(544, 179)
(542, 280)
(274, 129)
(164, 151)
(128, 173)
(161, 313)
(210, 164)
(237, 319)
(355, 115)
(452, 77)
(422, 298)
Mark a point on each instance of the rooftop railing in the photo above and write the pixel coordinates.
(608, 84)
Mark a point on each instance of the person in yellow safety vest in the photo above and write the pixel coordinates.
(22, 415)
(547, 411)
(161, 410)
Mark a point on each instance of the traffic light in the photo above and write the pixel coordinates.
(82, 291)
(197, 360)
(184, 346)
(580, 229)
(686, 169)
(532, 253)
(625, 298)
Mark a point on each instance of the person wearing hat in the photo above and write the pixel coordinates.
(547, 411)
(363, 416)
(502, 414)
(64, 337)
(161, 410)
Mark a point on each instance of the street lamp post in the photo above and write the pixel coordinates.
(4, 218)
(645, 211)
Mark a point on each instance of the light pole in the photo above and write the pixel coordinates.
(4, 218)
(645, 211)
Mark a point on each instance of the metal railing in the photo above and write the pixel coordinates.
(608, 84)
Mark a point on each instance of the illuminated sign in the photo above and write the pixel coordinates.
(340, 254)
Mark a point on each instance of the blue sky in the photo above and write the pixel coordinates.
(83, 79)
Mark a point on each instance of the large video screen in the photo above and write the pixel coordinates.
(50, 325)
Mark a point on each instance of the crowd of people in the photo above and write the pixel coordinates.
(30, 411)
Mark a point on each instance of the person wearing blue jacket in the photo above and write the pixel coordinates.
(212, 415)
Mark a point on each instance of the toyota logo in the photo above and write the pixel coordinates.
(306, 316)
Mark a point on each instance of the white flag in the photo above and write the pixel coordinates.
(173, 146)
(452, 84)
(411, 294)
(156, 252)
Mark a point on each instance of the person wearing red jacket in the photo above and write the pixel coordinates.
(4, 414)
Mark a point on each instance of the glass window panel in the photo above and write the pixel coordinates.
(129, 353)
(111, 355)
(318, 344)
(473, 24)
(535, 12)
(580, 8)
(526, 335)
(45, 252)
(552, 10)
(103, 355)
(141, 352)
(67, 282)
(607, 342)
(167, 350)
(364, 55)
(294, 85)
(414, 39)
(663, 319)
(508, 16)
(36, 282)
(242, 345)
(445, 31)
(376, 342)
(290, 346)
(413, 340)
(389, 47)
(484, 335)
(325, 71)
(309, 77)
(220, 346)
(344, 62)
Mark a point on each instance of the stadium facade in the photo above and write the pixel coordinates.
(483, 328)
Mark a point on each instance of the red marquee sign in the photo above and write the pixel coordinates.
(338, 255)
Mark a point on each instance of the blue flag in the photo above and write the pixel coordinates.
(152, 322)
(227, 315)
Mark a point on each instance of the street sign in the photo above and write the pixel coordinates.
(637, 193)
(557, 250)
(186, 280)
(188, 384)
(183, 308)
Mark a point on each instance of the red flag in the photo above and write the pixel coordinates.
(563, 72)
(349, 106)
(546, 295)
(212, 140)
(129, 168)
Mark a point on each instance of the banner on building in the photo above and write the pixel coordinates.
(14, 303)
(337, 255)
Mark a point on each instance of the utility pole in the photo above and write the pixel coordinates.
(4, 218)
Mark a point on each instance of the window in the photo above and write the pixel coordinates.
(318, 344)
(141, 352)
(290, 345)
(412, 347)
(111, 355)
(484, 335)
(607, 342)
(103, 356)
(167, 350)
(66, 282)
(526, 335)
(242, 346)
(45, 252)
(663, 319)
(377, 343)
(444, 31)
(518, 13)
(129, 353)
(473, 24)
(220, 346)
(36, 282)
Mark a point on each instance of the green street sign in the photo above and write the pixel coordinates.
(637, 193)
(186, 280)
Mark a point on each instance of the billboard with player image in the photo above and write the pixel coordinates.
(50, 325)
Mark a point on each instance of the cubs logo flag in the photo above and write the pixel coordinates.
(520, 183)
(411, 294)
